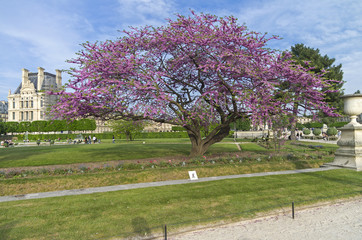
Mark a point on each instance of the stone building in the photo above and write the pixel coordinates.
(30, 100)
(3, 111)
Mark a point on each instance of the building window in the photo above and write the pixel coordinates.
(22, 116)
(31, 104)
(21, 104)
(41, 115)
(27, 104)
(41, 103)
(13, 115)
(13, 103)
(31, 116)
(26, 116)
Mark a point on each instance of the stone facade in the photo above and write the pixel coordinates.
(30, 101)
(158, 127)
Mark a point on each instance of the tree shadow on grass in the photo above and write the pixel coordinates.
(340, 179)
(140, 227)
(5, 230)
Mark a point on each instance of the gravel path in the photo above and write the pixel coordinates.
(336, 221)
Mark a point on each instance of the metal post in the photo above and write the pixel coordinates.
(165, 232)
(293, 210)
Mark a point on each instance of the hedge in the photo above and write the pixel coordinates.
(107, 135)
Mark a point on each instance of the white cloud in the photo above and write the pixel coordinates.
(333, 26)
(36, 35)
(145, 12)
(47, 32)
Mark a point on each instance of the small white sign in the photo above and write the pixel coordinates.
(193, 175)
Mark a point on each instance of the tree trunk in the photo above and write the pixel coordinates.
(294, 122)
(292, 131)
(199, 146)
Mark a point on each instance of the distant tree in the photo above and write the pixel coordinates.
(12, 127)
(323, 66)
(86, 125)
(358, 92)
(38, 126)
(24, 127)
(2, 127)
(129, 128)
(310, 57)
(243, 124)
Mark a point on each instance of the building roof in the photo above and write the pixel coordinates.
(3, 107)
(48, 82)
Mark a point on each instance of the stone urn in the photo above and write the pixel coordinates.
(349, 153)
(353, 107)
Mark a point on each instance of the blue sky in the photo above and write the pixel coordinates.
(45, 33)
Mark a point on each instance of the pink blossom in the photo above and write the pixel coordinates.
(200, 71)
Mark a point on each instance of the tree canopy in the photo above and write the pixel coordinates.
(307, 56)
(129, 128)
(195, 71)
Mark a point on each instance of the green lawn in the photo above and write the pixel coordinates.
(253, 158)
(144, 211)
(82, 153)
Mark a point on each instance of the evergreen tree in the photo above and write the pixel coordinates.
(310, 57)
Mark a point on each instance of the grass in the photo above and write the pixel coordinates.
(46, 183)
(254, 159)
(68, 154)
(144, 211)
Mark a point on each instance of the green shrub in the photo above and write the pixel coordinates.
(300, 126)
(163, 135)
(338, 124)
(178, 129)
(317, 132)
(313, 125)
(306, 131)
(332, 131)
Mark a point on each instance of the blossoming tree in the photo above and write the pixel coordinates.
(196, 71)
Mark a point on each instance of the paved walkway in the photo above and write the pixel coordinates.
(149, 184)
(340, 220)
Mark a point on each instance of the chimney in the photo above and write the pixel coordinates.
(40, 78)
(58, 78)
(25, 77)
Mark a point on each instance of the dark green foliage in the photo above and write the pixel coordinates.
(306, 131)
(12, 127)
(2, 127)
(243, 124)
(56, 125)
(130, 129)
(332, 131)
(300, 126)
(303, 54)
(164, 135)
(313, 125)
(24, 127)
(50, 126)
(178, 129)
(317, 131)
(38, 126)
(338, 124)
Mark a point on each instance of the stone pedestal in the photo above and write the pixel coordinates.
(349, 154)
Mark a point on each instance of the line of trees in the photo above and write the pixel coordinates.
(48, 126)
